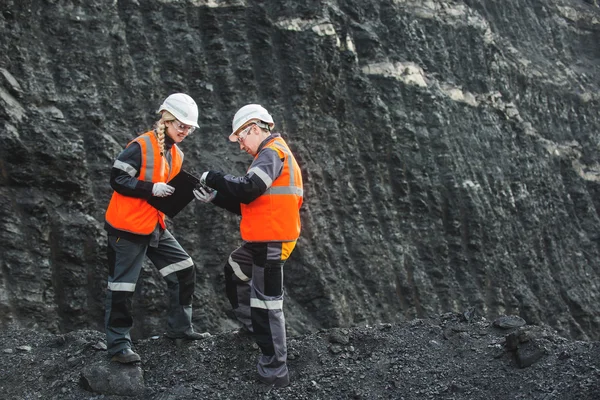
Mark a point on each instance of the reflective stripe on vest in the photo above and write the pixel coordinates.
(275, 215)
(133, 214)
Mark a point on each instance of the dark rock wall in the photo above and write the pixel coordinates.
(449, 149)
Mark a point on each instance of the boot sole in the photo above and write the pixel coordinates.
(126, 360)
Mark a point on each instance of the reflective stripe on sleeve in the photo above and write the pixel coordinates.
(123, 166)
(262, 175)
(121, 287)
(237, 270)
(267, 305)
(178, 266)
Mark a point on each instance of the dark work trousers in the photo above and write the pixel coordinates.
(254, 285)
(125, 260)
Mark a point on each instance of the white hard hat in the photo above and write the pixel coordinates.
(183, 107)
(250, 112)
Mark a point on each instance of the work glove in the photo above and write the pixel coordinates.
(203, 178)
(161, 189)
(204, 194)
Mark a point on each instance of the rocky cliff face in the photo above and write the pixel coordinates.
(450, 151)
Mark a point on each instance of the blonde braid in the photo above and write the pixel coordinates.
(160, 130)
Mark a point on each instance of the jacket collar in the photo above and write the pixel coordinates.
(267, 140)
(168, 142)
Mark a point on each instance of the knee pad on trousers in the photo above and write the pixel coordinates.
(120, 310)
(230, 286)
(187, 285)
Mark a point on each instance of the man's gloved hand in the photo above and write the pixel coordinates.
(203, 178)
(161, 189)
(204, 194)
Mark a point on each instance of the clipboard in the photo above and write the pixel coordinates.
(184, 183)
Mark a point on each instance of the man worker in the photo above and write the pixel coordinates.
(268, 198)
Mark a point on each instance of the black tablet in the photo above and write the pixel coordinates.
(184, 183)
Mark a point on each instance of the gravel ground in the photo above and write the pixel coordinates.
(452, 356)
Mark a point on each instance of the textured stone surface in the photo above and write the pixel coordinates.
(449, 150)
(411, 360)
(113, 379)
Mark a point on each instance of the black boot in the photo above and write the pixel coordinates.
(126, 356)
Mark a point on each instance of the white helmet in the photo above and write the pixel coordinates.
(248, 113)
(183, 107)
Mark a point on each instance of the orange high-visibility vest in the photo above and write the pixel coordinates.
(136, 215)
(275, 215)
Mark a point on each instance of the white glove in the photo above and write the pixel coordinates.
(203, 178)
(161, 189)
(204, 195)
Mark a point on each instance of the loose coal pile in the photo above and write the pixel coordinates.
(453, 356)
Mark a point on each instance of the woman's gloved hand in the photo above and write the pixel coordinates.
(161, 189)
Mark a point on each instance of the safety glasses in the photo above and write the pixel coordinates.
(179, 127)
(241, 138)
